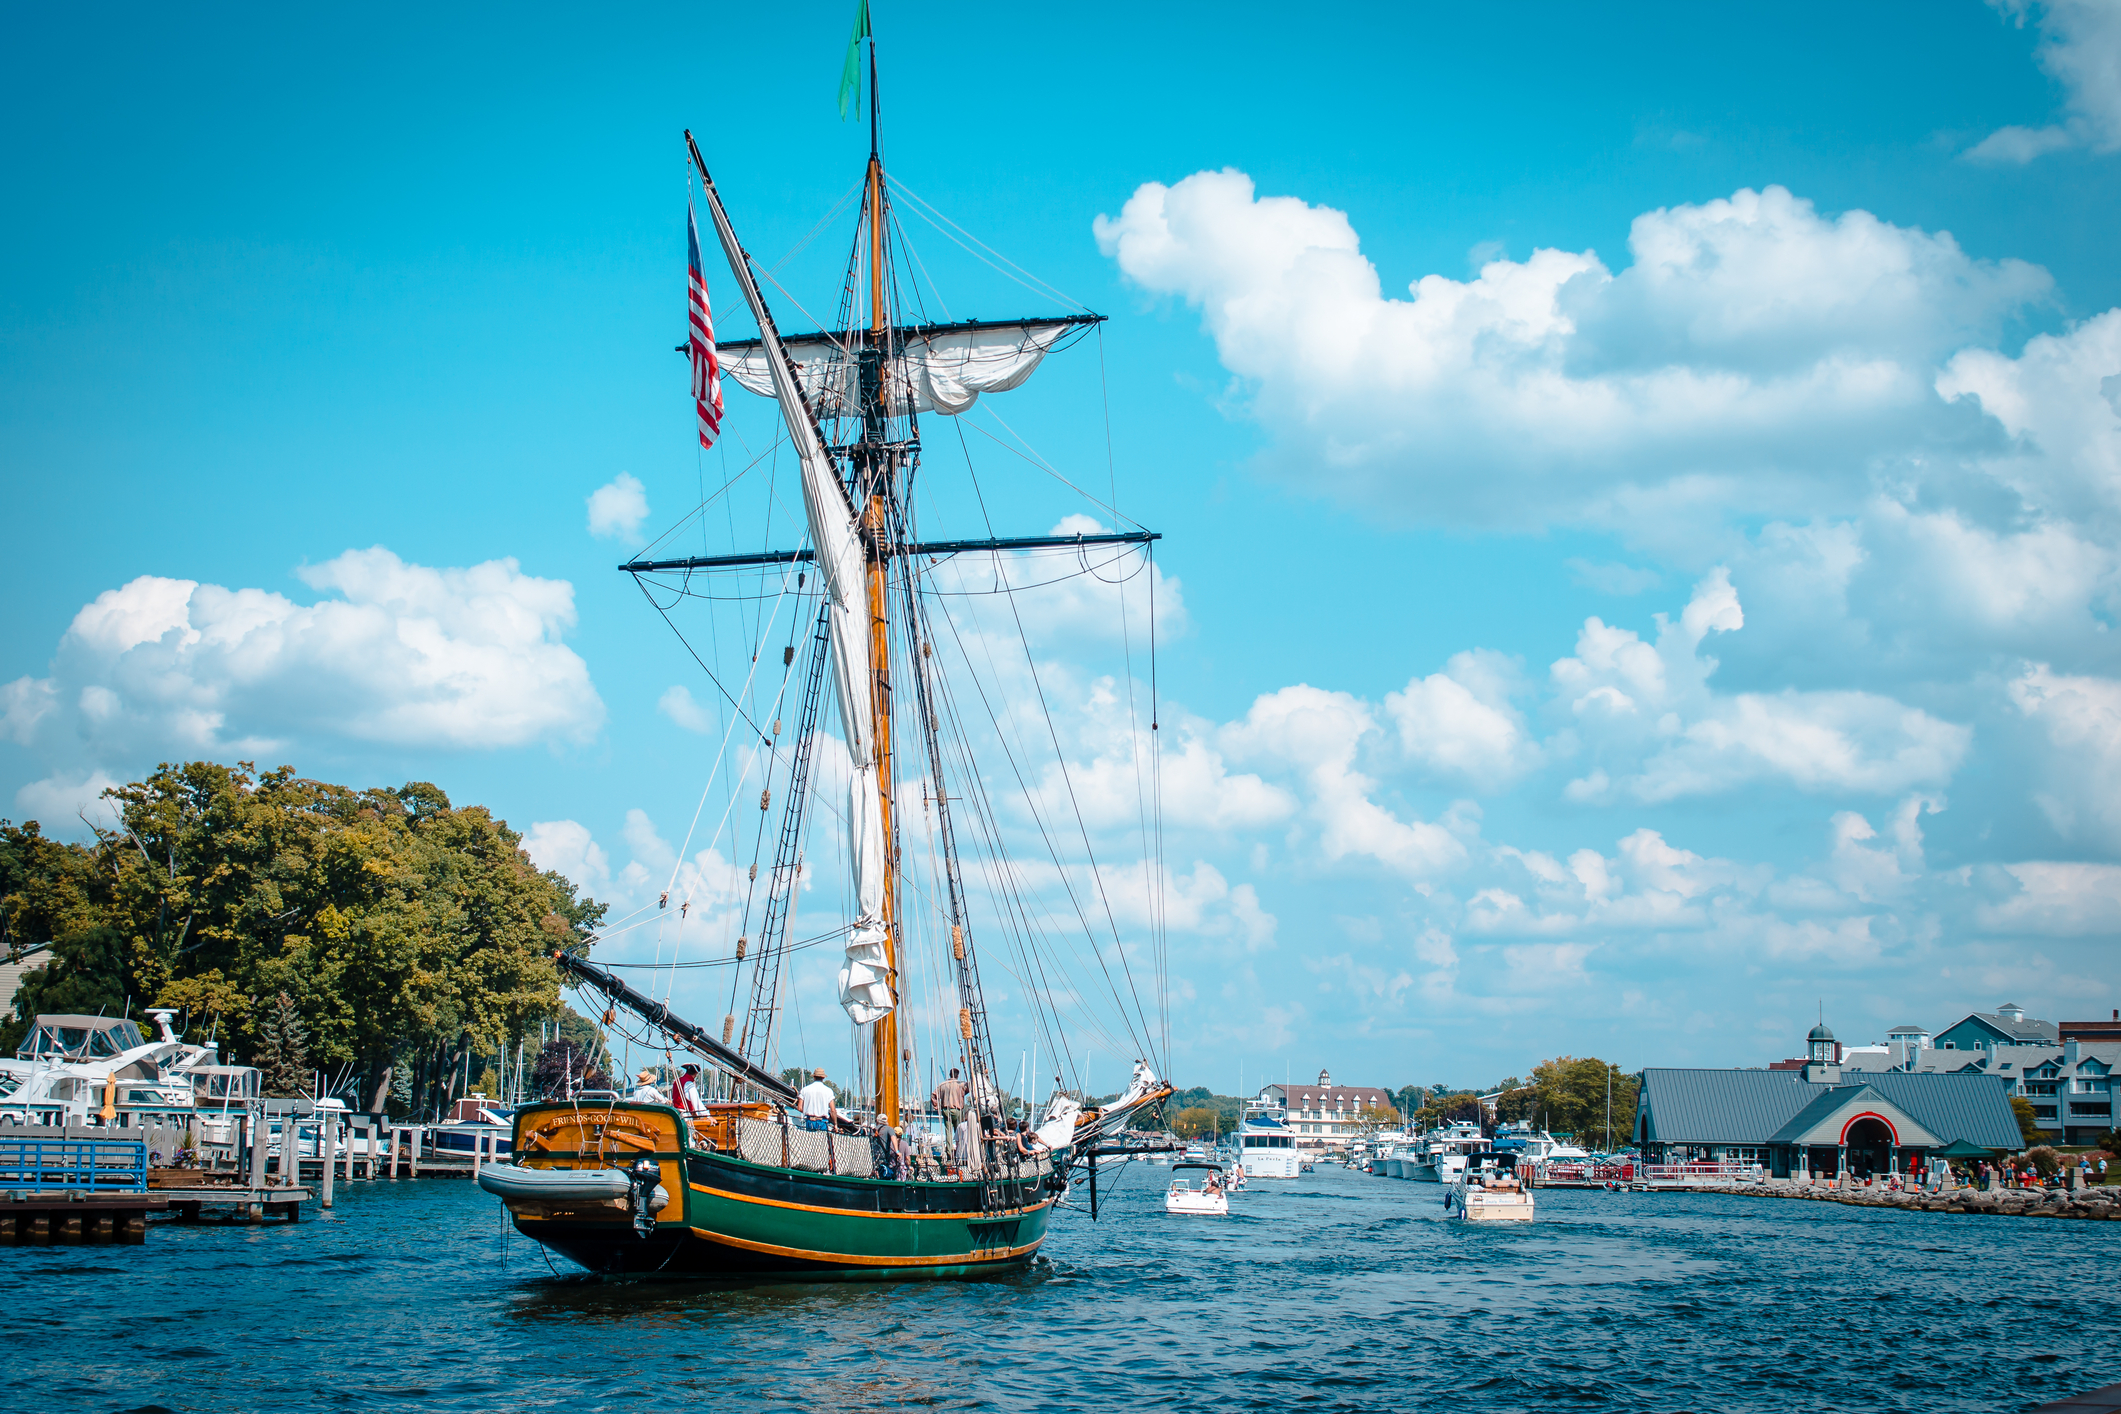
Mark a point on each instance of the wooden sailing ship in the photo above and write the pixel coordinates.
(739, 1186)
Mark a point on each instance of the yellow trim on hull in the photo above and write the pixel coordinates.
(980, 1255)
(864, 1212)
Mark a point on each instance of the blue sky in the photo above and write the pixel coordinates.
(313, 323)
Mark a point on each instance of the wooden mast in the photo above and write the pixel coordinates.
(877, 522)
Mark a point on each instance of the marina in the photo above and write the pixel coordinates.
(1499, 682)
(417, 1298)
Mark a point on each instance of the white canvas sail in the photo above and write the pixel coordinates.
(940, 371)
(866, 990)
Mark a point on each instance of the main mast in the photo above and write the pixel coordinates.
(878, 468)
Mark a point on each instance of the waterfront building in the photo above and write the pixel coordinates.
(1820, 1118)
(1325, 1118)
(2007, 1025)
(2070, 1084)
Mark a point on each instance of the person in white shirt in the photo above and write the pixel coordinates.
(686, 1094)
(644, 1091)
(816, 1100)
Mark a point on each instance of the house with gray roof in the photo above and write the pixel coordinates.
(1820, 1119)
(2069, 1086)
(2007, 1025)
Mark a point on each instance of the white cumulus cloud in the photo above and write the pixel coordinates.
(398, 654)
(2080, 48)
(680, 706)
(1758, 355)
(617, 508)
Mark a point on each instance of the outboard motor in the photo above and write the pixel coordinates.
(641, 1190)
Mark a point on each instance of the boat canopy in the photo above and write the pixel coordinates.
(79, 1038)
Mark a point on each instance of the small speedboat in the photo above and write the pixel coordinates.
(1209, 1200)
(1489, 1190)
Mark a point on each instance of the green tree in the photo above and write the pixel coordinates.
(56, 899)
(283, 1051)
(2028, 1122)
(1195, 1122)
(1569, 1096)
(1450, 1108)
(1515, 1101)
(406, 934)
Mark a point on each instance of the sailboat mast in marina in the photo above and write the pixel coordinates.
(734, 1181)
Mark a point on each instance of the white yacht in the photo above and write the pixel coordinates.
(1265, 1145)
(1488, 1189)
(101, 1069)
(1440, 1156)
(1536, 1146)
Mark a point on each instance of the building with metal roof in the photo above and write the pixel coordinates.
(1820, 1119)
(2007, 1025)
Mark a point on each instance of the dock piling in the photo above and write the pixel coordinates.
(254, 1129)
(328, 1150)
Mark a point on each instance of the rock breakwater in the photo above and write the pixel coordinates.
(2096, 1204)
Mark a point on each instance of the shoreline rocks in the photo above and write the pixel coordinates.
(2094, 1204)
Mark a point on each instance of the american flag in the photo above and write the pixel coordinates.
(706, 367)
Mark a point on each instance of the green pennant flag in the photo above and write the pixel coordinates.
(851, 71)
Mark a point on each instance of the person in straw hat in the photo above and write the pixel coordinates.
(645, 1091)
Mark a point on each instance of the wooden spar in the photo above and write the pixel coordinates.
(876, 519)
(884, 1034)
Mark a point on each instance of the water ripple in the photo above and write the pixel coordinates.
(1335, 1292)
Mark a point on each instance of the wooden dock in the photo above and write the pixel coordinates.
(70, 1217)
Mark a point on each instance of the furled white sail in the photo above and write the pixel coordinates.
(943, 371)
(865, 977)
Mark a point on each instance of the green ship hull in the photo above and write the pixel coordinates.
(727, 1218)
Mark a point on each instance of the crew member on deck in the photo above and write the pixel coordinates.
(950, 1099)
(816, 1100)
(644, 1091)
(687, 1096)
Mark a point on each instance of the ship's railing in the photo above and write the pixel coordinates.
(99, 1165)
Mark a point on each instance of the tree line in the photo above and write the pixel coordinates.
(1565, 1096)
(384, 936)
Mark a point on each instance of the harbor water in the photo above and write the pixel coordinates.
(1337, 1291)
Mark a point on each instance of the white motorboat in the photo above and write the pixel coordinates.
(1265, 1145)
(1536, 1146)
(1210, 1200)
(1487, 1189)
(78, 1070)
(1440, 1157)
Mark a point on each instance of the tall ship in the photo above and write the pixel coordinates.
(852, 640)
